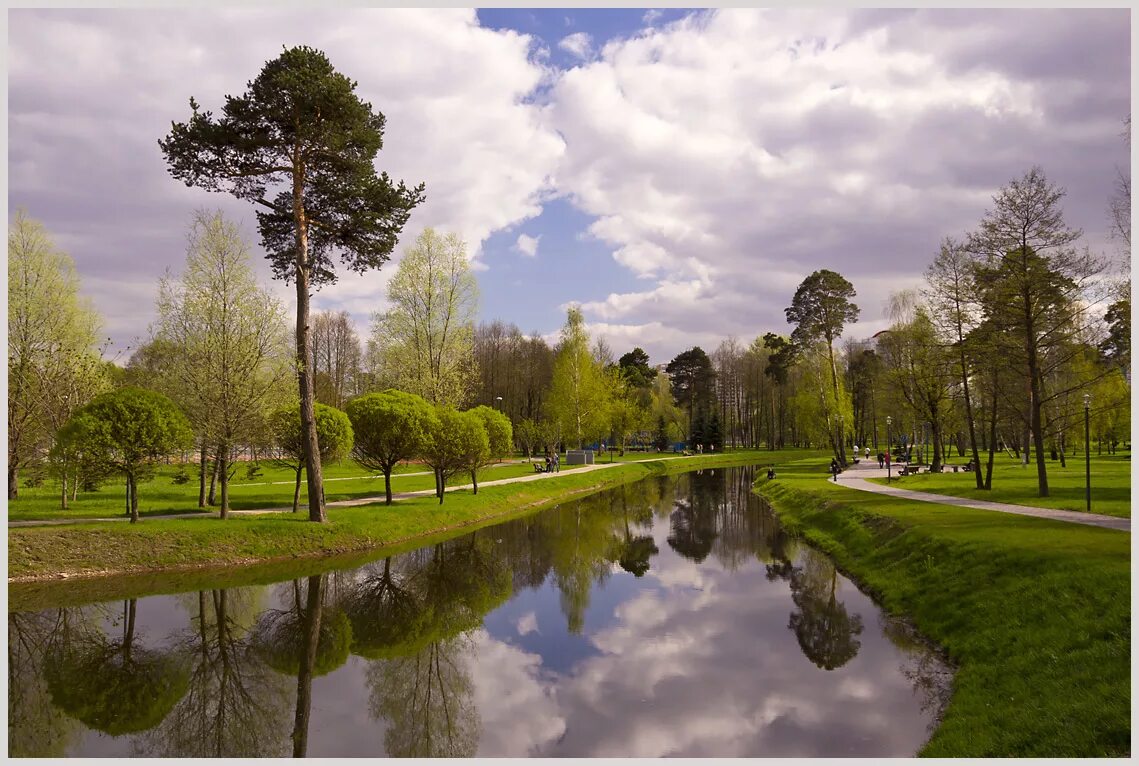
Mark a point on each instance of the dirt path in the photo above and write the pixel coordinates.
(855, 477)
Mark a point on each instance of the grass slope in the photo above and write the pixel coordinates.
(1034, 613)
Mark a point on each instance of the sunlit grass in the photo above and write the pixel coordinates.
(1014, 482)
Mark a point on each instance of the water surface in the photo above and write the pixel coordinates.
(668, 617)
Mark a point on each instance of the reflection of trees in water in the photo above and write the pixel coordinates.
(236, 705)
(825, 630)
(633, 553)
(428, 701)
(115, 686)
(583, 533)
(692, 523)
(923, 666)
(413, 617)
(36, 727)
(308, 639)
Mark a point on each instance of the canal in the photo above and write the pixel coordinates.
(668, 617)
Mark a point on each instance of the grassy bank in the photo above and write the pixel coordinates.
(167, 549)
(1035, 613)
(1014, 482)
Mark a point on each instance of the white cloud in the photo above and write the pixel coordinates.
(461, 120)
(527, 245)
(527, 623)
(650, 16)
(728, 155)
(579, 44)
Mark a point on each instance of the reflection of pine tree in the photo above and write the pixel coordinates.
(428, 702)
(825, 631)
(693, 520)
(633, 553)
(236, 705)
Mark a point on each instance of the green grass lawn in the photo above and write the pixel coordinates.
(1034, 613)
(1016, 483)
(153, 545)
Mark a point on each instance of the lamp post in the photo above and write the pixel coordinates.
(1087, 452)
(498, 402)
(889, 420)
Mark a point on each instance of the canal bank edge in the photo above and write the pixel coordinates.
(69, 565)
(1034, 615)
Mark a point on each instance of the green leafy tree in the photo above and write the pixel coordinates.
(1116, 347)
(231, 364)
(528, 434)
(332, 426)
(578, 398)
(635, 365)
(54, 365)
(389, 427)
(301, 144)
(693, 382)
(819, 310)
(500, 438)
(455, 442)
(128, 430)
(1033, 285)
(426, 339)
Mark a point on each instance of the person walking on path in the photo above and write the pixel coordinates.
(557, 462)
(834, 468)
(868, 455)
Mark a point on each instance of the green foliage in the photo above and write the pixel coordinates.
(280, 636)
(333, 428)
(1116, 347)
(529, 435)
(114, 687)
(636, 368)
(500, 435)
(389, 427)
(692, 379)
(456, 442)
(578, 399)
(127, 429)
(299, 120)
(425, 341)
(821, 307)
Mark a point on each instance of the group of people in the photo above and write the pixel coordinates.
(553, 462)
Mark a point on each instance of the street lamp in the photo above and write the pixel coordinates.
(889, 420)
(498, 402)
(1087, 453)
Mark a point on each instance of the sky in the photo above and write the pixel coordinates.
(674, 173)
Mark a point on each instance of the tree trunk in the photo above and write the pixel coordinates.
(310, 446)
(203, 461)
(75, 486)
(13, 476)
(309, 644)
(223, 471)
(63, 485)
(992, 438)
(128, 505)
(133, 482)
(388, 484)
(297, 490)
(212, 498)
(475, 482)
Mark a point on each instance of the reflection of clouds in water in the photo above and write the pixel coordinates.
(714, 672)
(527, 623)
(517, 703)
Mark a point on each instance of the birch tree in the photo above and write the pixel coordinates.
(54, 364)
(426, 338)
(578, 399)
(232, 365)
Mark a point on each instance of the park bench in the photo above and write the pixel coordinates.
(909, 469)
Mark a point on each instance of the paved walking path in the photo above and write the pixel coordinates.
(333, 504)
(856, 475)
